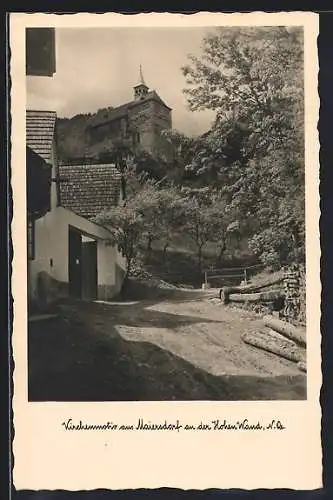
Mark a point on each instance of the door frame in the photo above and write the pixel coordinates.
(74, 253)
(78, 293)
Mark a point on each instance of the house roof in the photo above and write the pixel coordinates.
(122, 111)
(40, 129)
(87, 190)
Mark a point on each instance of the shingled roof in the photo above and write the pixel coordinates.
(40, 129)
(87, 190)
(122, 110)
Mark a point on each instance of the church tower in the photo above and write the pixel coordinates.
(140, 89)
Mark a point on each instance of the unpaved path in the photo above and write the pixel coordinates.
(184, 346)
(203, 332)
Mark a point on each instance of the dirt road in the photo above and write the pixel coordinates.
(181, 347)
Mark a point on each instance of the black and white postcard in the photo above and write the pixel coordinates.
(166, 267)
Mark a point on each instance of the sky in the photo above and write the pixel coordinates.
(98, 67)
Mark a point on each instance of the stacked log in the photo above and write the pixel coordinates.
(302, 366)
(269, 296)
(227, 293)
(280, 338)
(292, 293)
(288, 330)
(289, 299)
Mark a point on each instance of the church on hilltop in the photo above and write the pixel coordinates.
(138, 123)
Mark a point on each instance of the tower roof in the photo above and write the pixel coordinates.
(141, 80)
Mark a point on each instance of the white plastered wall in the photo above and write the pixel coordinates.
(51, 247)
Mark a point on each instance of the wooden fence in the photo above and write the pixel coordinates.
(216, 277)
(234, 275)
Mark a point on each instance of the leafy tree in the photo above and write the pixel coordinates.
(252, 77)
(153, 167)
(152, 208)
(168, 216)
(125, 224)
(131, 222)
(204, 218)
(188, 155)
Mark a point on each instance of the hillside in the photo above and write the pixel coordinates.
(179, 260)
(73, 137)
(248, 169)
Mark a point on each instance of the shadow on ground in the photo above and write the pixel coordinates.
(80, 356)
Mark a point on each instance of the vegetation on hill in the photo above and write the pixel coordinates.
(71, 136)
(241, 181)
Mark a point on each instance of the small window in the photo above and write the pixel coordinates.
(136, 138)
(124, 127)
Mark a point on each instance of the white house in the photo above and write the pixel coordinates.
(69, 254)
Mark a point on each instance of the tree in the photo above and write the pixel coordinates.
(170, 215)
(125, 224)
(204, 218)
(253, 79)
(188, 154)
(151, 204)
(279, 235)
(129, 223)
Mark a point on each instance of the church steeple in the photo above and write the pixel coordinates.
(140, 89)
(141, 79)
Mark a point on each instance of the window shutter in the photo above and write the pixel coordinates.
(40, 52)
(31, 238)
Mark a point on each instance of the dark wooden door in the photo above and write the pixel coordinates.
(89, 270)
(75, 263)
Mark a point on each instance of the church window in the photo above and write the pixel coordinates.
(123, 126)
(136, 138)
